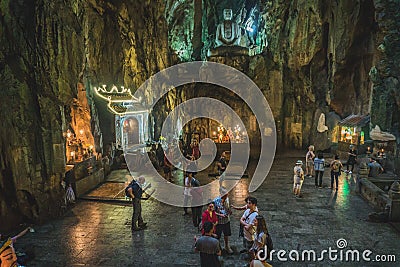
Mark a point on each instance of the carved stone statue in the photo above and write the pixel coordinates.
(321, 124)
(378, 134)
(228, 32)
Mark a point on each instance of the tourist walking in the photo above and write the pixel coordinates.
(374, 168)
(187, 191)
(310, 161)
(168, 167)
(223, 211)
(351, 161)
(298, 178)
(208, 247)
(319, 167)
(134, 190)
(247, 221)
(221, 165)
(195, 149)
(209, 215)
(262, 241)
(336, 168)
(197, 202)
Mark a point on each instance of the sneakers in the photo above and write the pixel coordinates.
(229, 250)
(143, 225)
(140, 228)
(350, 172)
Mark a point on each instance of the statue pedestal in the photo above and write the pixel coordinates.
(228, 51)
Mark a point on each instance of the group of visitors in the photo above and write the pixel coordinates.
(177, 154)
(315, 166)
(216, 222)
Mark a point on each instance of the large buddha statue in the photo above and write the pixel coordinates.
(228, 32)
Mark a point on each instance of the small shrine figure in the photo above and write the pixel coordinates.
(225, 139)
(230, 134)
(220, 137)
(251, 28)
(228, 32)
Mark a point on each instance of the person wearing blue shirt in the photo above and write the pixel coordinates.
(319, 164)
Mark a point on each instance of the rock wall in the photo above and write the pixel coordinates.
(318, 60)
(48, 48)
(319, 56)
(40, 61)
(385, 106)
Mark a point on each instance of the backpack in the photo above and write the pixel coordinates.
(335, 166)
(241, 227)
(132, 185)
(200, 227)
(195, 182)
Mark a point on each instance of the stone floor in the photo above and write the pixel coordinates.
(95, 233)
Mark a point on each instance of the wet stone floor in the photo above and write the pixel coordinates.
(96, 233)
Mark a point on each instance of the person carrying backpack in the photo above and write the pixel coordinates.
(197, 201)
(134, 191)
(336, 167)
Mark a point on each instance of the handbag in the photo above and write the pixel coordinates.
(69, 195)
(241, 226)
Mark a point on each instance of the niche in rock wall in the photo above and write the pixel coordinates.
(293, 132)
(79, 138)
(131, 131)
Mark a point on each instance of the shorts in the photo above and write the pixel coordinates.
(296, 179)
(296, 186)
(223, 228)
(297, 183)
(310, 163)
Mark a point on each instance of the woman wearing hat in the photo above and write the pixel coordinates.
(298, 178)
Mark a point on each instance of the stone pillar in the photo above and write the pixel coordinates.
(394, 195)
